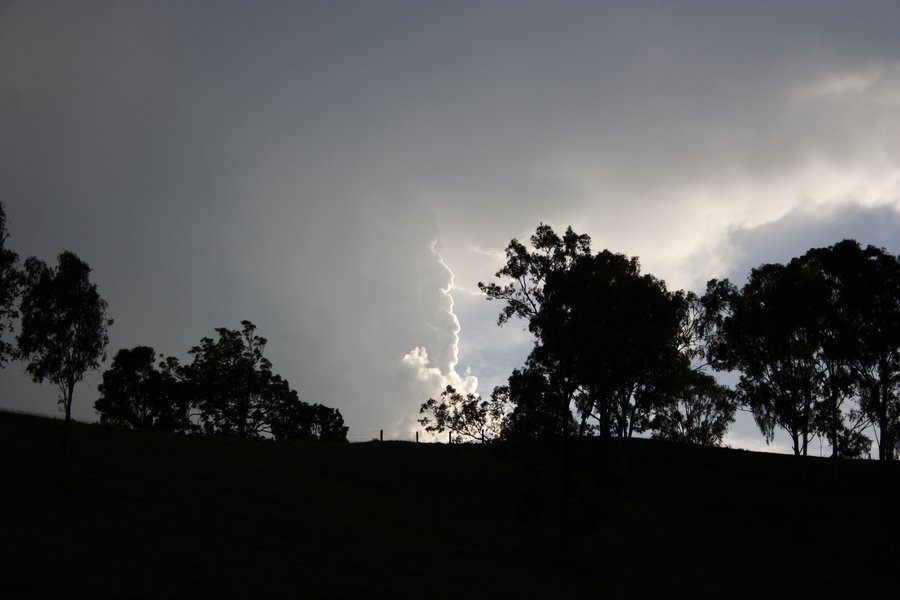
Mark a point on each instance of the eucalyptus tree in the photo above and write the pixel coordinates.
(869, 295)
(610, 342)
(464, 415)
(231, 383)
(526, 271)
(699, 413)
(63, 332)
(832, 272)
(231, 390)
(295, 420)
(618, 332)
(771, 336)
(135, 394)
(522, 291)
(532, 394)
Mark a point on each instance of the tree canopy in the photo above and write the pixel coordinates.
(808, 336)
(228, 388)
(611, 343)
(134, 393)
(465, 416)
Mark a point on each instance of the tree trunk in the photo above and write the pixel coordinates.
(564, 481)
(64, 466)
(887, 431)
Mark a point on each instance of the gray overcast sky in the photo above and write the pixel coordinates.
(328, 169)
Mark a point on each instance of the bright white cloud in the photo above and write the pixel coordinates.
(433, 375)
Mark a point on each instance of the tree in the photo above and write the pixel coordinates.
(10, 284)
(536, 406)
(524, 278)
(812, 334)
(528, 270)
(617, 333)
(832, 269)
(772, 336)
(699, 413)
(295, 420)
(231, 383)
(232, 388)
(466, 416)
(63, 332)
(614, 341)
(869, 292)
(135, 394)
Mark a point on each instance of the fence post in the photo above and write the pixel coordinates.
(449, 437)
(381, 435)
(417, 437)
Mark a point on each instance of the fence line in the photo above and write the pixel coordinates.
(395, 435)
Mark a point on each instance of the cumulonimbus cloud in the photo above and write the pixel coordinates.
(434, 373)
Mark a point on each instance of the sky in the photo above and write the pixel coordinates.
(343, 174)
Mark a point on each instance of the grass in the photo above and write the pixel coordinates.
(152, 515)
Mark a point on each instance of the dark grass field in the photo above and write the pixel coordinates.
(150, 515)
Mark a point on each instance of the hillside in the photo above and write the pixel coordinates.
(150, 515)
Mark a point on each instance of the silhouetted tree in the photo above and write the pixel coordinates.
(465, 416)
(63, 330)
(523, 279)
(700, 413)
(618, 333)
(809, 335)
(135, 394)
(772, 337)
(528, 271)
(231, 390)
(614, 341)
(831, 270)
(869, 293)
(295, 420)
(10, 283)
(536, 405)
(231, 383)
(64, 324)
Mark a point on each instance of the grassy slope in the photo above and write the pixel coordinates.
(155, 515)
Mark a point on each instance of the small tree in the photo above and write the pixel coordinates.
(232, 389)
(465, 416)
(10, 282)
(536, 405)
(699, 414)
(64, 324)
(231, 383)
(135, 394)
(295, 420)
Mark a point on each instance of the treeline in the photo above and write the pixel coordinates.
(228, 388)
(816, 343)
